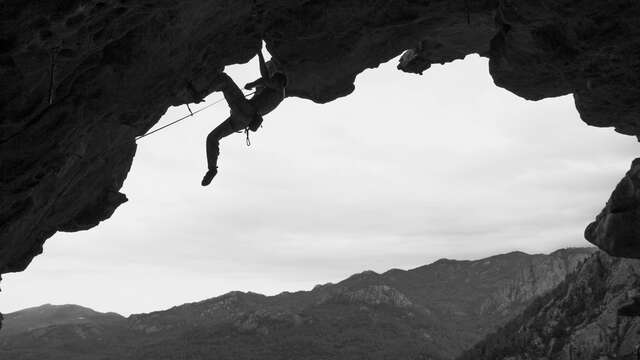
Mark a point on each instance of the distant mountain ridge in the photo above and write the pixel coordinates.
(50, 315)
(432, 312)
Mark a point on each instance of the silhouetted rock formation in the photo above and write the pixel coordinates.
(577, 320)
(82, 78)
(431, 312)
(617, 229)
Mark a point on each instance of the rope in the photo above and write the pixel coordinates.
(246, 131)
(192, 113)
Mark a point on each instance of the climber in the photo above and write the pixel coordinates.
(245, 114)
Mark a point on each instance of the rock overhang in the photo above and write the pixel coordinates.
(83, 78)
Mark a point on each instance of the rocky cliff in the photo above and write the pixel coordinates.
(82, 78)
(577, 320)
(615, 229)
(432, 312)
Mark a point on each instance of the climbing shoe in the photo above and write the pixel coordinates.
(206, 180)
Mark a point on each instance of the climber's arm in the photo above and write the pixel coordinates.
(255, 84)
(263, 66)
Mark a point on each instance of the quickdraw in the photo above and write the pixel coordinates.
(246, 131)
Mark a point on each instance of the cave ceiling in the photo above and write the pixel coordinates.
(81, 79)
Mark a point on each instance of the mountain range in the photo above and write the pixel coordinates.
(437, 312)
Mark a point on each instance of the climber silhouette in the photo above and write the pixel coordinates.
(245, 113)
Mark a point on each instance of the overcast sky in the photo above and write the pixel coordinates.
(406, 170)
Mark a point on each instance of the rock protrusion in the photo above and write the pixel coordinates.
(616, 229)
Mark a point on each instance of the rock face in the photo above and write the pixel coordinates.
(82, 78)
(577, 320)
(373, 295)
(617, 229)
(432, 312)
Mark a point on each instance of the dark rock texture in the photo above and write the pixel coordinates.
(616, 229)
(82, 78)
(431, 312)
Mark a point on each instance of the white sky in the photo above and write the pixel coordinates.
(406, 170)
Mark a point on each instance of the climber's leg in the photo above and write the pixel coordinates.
(234, 96)
(213, 148)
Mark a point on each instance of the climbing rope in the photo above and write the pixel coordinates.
(191, 114)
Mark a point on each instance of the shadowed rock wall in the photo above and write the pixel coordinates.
(82, 78)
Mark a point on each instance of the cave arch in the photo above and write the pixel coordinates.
(87, 77)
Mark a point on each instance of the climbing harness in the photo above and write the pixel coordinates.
(192, 113)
